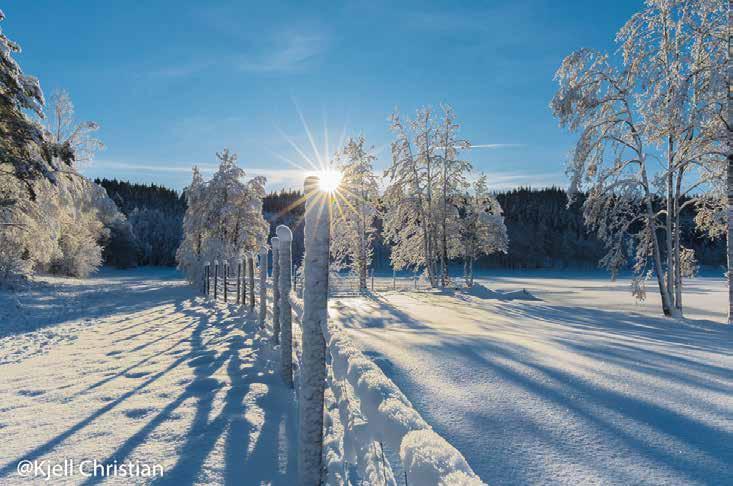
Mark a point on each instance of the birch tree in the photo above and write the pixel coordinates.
(650, 138)
(451, 184)
(355, 209)
(409, 197)
(482, 228)
(64, 130)
(675, 51)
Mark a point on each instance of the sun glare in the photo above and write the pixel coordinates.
(329, 180)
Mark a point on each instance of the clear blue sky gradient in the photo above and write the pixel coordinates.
(172, 82)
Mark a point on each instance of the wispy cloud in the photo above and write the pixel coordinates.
(286, 51)
(508, 180)
(276, 178)
(497, 145)
(279, 52)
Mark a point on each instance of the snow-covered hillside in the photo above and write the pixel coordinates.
(133, 366)
(568, 382)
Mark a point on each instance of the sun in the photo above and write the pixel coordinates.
(329, 180)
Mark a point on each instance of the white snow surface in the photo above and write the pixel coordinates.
(134, 366)
(552, 379)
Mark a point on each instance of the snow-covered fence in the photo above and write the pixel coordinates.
(365, 412)
(219, 281)
(264, 252)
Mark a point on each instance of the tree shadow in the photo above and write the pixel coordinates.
(249, 364)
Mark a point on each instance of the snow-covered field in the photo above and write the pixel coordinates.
(547, 380)
(578, 386)
(132, 366)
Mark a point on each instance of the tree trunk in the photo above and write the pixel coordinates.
(362, 263)
(669, 240)
(730, 232)
(677, 245)
(657, 257)
(315, 315)
(470, 270)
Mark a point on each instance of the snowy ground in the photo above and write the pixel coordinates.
(133, 366)
(580, 386)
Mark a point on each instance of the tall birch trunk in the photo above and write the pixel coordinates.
(677, 244)
(730, 233)
(730, 173)
(658, 268)
(286, 317)
(315, 315)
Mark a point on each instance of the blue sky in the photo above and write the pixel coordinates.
(172, 82)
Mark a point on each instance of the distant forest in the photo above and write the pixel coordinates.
(544, 232)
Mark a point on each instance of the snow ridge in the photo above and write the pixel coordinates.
(367, 412)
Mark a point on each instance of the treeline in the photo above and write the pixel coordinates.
(155, 214)
(544, 231)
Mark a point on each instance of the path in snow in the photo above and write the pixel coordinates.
(133, 366)
(578, 387)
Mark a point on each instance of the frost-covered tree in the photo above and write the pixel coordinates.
(650, 134)
(64, 130)
(224, 219)
(409, 223)
(189, 253)
(482, 228)
(451, 184)
(355, 209)
(51, 218)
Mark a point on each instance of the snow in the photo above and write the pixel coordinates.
(579, 386)
(134, 366)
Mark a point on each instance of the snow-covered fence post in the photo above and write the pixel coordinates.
(286, 314)
(251, 279)
(216, 277)
(275, 243)
(239, 282)
(264, 252)
(226, 272)
(244, 280)
(206, 279)
(315, 315)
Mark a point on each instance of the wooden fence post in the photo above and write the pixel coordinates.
(239, 281)
(251, 279)
(315, 316)
(275, 243)
(264, 252)
(216, 277)
(286, 317)
(226, 271)
(394, 279)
